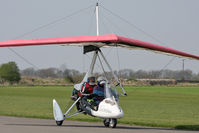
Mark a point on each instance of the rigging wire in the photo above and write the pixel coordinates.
(110, 30)
(89, 33)
(55, 21)
(23, 58)
(83, 61)
(117, 52)
(98, 66)
(119, 65)
(170, 61)
(141, 30)
(91, 22)
(105, 74)
(106, 27)
(133, 25)
(163, 68)
(117, 27)
(113, 24)
(42, 27)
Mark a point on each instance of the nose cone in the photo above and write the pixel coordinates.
(117, 113)
(107, 110)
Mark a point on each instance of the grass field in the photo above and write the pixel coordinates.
(175, 107)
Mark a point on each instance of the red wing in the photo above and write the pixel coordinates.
(99, 41)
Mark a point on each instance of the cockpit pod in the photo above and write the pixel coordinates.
(109, 107)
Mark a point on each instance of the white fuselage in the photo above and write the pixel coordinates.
(108, 108)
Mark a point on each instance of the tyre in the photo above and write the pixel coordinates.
(113, 123)
(78, 107)
(59, 123)
(106, 122)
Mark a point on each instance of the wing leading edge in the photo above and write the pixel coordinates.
(111, 40)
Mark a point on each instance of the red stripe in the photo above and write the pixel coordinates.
(151, 46)
(102, 38)
(61, 40)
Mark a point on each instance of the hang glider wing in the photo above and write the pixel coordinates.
(98, 41)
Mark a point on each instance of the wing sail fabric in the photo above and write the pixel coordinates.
(154, 47)
(111, 40)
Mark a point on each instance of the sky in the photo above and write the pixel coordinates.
(173, 22)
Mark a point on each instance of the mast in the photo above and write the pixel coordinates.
(95, 54)
(97, 17)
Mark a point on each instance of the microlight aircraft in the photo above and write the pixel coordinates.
(108, 109)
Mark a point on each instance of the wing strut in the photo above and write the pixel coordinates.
(90, 72)
(92, 65)
(114, 75)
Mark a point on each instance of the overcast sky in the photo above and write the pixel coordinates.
(173, 22)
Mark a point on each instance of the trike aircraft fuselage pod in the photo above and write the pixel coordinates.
(109, 107)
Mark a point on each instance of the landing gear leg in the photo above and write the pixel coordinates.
(110, 123)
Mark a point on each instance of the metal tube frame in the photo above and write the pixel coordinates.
(115, 77)
(101, 64)
(73, 114)
(72, 106)
(90, 72)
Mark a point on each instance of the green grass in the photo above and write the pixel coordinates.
(173, 107)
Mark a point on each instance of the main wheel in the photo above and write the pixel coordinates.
(106, 122)
(59, 123)
(113, 123)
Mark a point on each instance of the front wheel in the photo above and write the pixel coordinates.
(59, 123)
(113, 123)
(106, 122)
(110, 123)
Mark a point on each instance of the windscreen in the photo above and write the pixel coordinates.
(110, 92)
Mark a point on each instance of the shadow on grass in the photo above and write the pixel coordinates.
(188, 127)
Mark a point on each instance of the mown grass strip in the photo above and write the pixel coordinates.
(160, 106)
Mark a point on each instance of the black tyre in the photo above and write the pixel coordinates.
(112, 123)
(106, 122)
(78, 107)
(59, 123)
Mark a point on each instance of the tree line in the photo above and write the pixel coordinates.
(75, 75)
(11, 73)
(159, 74)
(70, 75)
